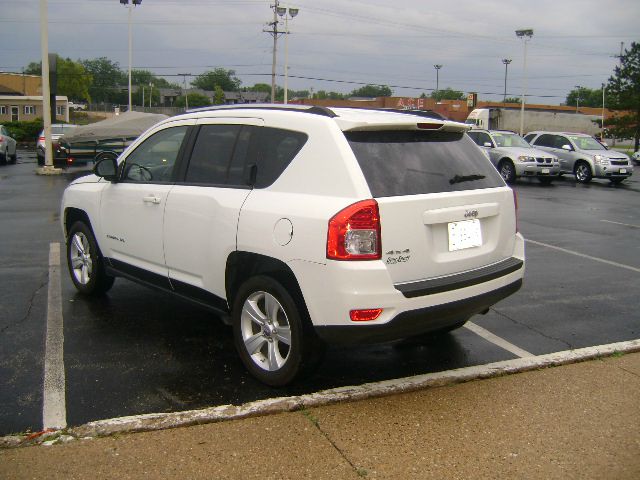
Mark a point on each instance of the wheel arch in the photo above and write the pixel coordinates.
(243, 265)
(73, 215)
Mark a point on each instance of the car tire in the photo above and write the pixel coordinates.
(507, 171)
(273, 333)
(86, 265)
(13, 159)
(545, 180)
(582, 172)
(3, 159)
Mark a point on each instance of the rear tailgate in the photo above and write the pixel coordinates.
(444, 208)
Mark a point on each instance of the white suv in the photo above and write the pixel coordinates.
(302, 226)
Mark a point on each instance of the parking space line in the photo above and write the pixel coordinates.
(501, 342)
(54, 412)
(620, 223)
(578, 254)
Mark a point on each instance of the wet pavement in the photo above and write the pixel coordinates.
(137, 351)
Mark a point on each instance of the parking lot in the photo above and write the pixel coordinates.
(136, 351)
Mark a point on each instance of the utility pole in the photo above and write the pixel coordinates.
(184, 89)
(273, 31)
(578, 87)
(130, 5)
(506, 62)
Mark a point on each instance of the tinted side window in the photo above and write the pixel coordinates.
(529, 137)
(484, 138)
(211, 155)
(398, 163)
(545, 141)
(273, 150)
(474, 137)
(560, 141)
(153, 160)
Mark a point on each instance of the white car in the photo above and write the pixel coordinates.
(636, 157)
(301, 226)
(8, 147)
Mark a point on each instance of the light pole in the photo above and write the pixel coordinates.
(287, 13)
(578, 87)
(506, 62)
(130, 6)
(602, 121)
(525, 35)
(437, 67)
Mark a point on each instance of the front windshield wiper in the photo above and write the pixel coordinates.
(465, 178)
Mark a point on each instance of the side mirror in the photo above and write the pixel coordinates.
(567, 148)
(107, 168)
(488, 144)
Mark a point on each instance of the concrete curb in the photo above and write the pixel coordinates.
(160, 421)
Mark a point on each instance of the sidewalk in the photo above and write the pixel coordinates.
(574, 421)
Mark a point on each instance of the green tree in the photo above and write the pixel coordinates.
(585, 97)
(372, 91)
(447, 94)
(218, 96)
(512, 100)
(108, 80)
(195, 100)
(225, 79)
(73, 79)
(145, 77)
(260, 87)
(623, 89)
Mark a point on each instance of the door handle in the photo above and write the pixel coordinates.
(151, 199)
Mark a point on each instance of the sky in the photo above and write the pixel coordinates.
(341, 45)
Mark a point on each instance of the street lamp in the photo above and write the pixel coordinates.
(506, 62)
(578, 87)
(437, 67)
(131, 5)
(286, 13)
(525, 35)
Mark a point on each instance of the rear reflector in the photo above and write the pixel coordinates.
(366, 315)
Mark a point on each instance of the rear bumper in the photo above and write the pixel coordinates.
(416, 322)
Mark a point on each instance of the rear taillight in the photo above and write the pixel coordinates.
(515, 203)
(354, 233)
(41, 139)
(365, 315)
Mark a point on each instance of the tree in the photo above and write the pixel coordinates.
(324, 95)
(512, 100)
(260, 87)
(218, 96)
(585, 97)
(145, 77)
(225, 79)
(195, 100)
(623, 88)
(73, 79)
(447, 94)
(372, 91)
(107, 80)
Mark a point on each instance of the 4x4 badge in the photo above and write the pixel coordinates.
(471, 214)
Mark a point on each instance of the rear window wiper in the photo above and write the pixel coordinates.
(465, 178)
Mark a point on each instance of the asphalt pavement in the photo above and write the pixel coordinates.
(136, 352)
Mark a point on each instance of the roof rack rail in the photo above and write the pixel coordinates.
(314, 110)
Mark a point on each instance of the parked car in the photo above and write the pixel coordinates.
(108, 138)
(582, 156)
(514, 157)
(57, 131)
(301, 226)
(636, 157)
(8, 147)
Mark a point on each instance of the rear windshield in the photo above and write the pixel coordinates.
(61, 129)
(403, 162)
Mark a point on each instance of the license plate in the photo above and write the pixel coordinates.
(545, 170)
(464, 234)
(623, 170)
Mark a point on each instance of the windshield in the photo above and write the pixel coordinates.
(586, 143)
(401, 162)
(509, 140)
